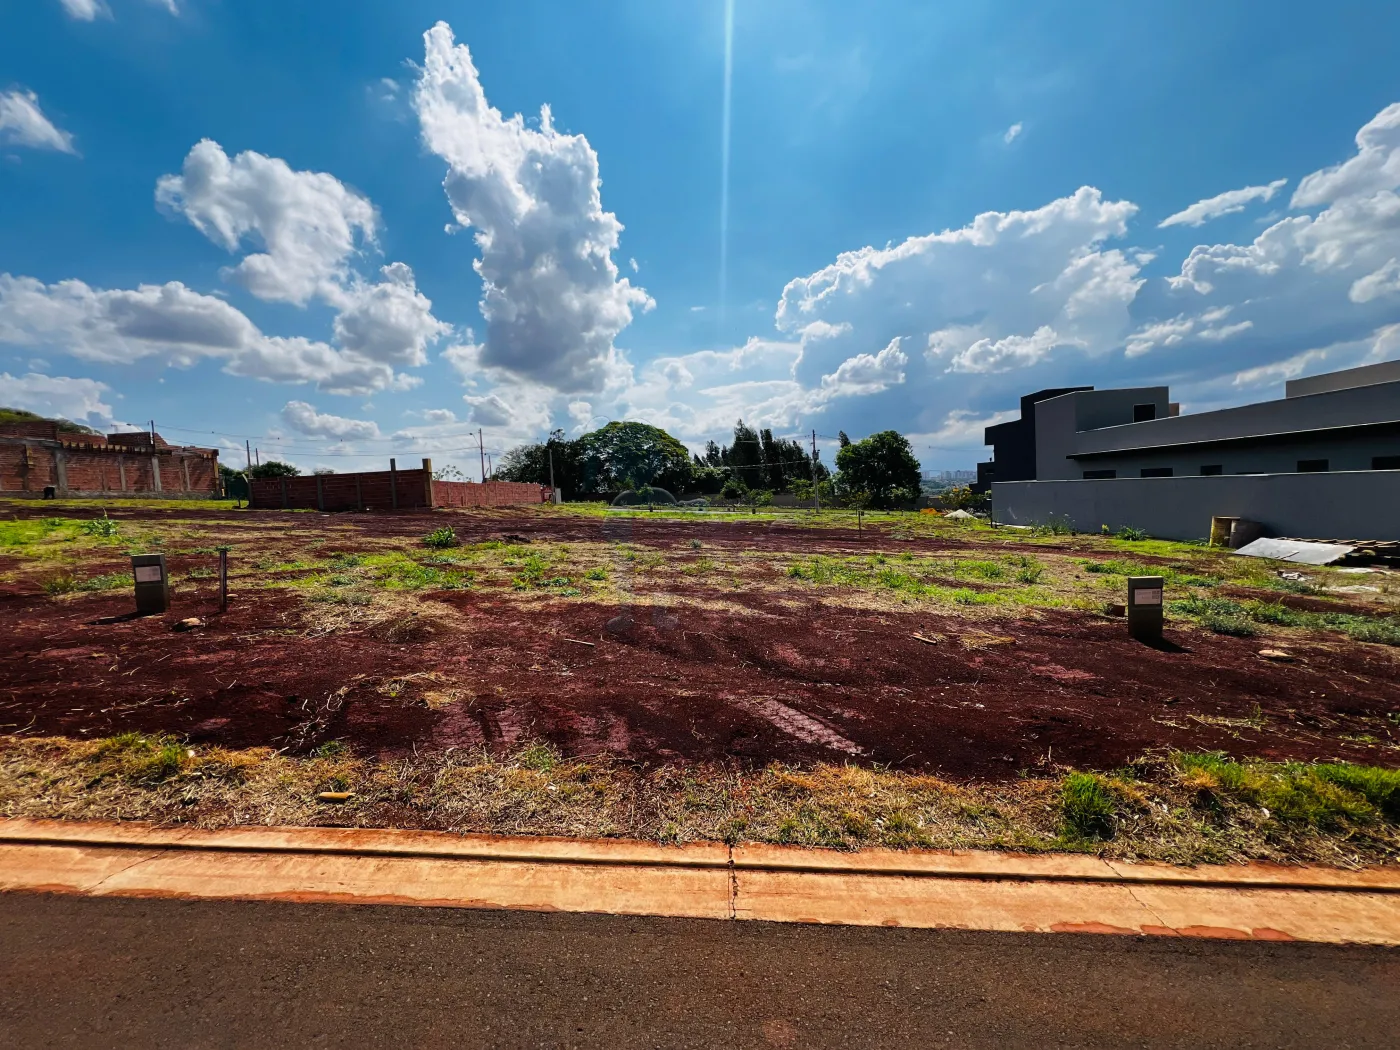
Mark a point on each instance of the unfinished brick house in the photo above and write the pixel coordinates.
(392, 489)
(39, 460)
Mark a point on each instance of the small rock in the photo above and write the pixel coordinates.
(189, 623)
(1276, 654)
(1115, 609)
(334, 796)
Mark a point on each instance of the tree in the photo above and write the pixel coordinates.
(622, 454)
(882, 466)
(274, 468)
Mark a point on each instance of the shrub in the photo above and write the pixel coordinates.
(441, 537)
(1127, 532)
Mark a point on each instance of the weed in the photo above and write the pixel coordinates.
(441, 537)
(103, 526)
(1054, 526)
(1127, 532)
(1088, 806)
(331, 749)
(106, 582)
(346, 561)
(140, 758)
(596, 573)
(539, 757)
(61, 583)
(200, 574)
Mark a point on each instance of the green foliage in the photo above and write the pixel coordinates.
(441, 537)
(145, 759)
(103, 526)
(1055, 525)
(274, 468)
(109, 581)
(1226, 616)
(1323, 795)
(961, 497)
(1088, 805)
(1127, 532)
(539, 757)
(882, 465)
(60, 583)
(65, 426)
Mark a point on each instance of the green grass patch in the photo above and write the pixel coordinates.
(1088, 805)
(1321, 795)
(1227, 616)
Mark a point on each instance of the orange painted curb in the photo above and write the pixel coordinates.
(939, 889)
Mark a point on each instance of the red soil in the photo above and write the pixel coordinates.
(774, 682)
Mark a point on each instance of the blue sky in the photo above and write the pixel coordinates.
(262, 219)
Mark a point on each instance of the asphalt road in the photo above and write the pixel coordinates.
(94, 972)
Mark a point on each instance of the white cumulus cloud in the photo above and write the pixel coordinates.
(308, 222)
(178, 326)
(1012, 133)
(80, 400)
(304, 418)
(22, 123)
(552, 298)
(1227, 203)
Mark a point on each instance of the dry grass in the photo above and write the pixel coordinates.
(1186, 809)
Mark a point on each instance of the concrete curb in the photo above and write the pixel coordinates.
(943, 889)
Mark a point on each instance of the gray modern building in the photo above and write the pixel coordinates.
(1321, 463)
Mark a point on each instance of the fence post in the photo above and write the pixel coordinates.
(285, 504)
(428, 482)
(393, 485)
(320, 498)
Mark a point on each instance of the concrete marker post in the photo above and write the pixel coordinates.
(152, 584)
(393, 485)
(1145, 607)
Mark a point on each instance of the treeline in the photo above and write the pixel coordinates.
(878, 471)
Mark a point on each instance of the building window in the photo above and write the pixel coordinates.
(1212, 470)
(1311, 466)
(1385, 463)
(1142, 413)
(1156, 472)
(1099, 475)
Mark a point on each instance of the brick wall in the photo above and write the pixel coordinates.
(73, 468)
(372, 490)
(490, 494)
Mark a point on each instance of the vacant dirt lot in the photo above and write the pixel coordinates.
(971, 654)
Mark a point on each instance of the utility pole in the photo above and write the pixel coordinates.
(481, 448)
(248, 448)
(815, 494)
(490, 467)
(153, 433)
(257, 456)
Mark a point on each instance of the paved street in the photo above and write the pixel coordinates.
(88, 972)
